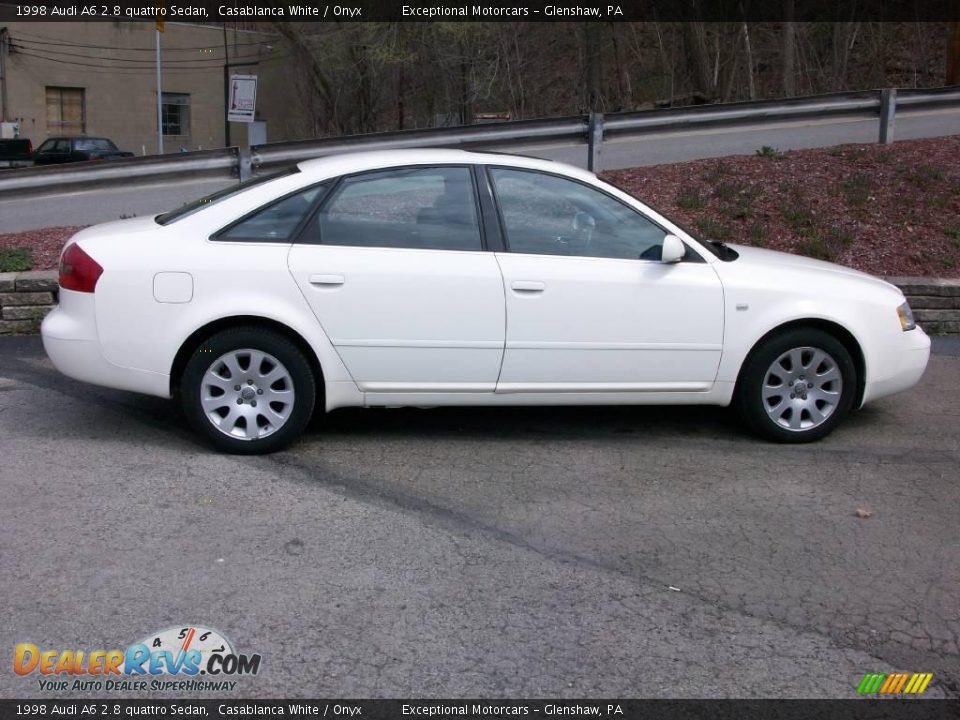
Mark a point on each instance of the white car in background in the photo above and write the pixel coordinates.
(441, 277)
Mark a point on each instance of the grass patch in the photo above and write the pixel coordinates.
(758, 234)
(690, 199)
(712, 229)
(856, 189)
(771, 153)
(716, 171)
(816, 247)
(15, 259)
(924, 177)
(799, 218)
(726, 191)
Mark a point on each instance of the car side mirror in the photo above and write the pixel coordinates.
(673, 249)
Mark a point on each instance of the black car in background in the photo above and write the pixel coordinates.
(15, 152)
(77, 149)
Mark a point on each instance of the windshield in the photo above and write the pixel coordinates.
(213, 198)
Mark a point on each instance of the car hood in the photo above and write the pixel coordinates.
(772, 260)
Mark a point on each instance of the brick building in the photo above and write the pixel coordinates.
(99, 78)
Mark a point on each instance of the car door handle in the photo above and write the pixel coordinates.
(327, 280)
(528, 286)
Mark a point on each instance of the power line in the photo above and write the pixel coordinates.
(57, 41)
(129, 70)
(217, 60)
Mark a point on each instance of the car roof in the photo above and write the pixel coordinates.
(341, 164)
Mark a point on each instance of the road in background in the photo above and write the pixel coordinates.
(101, 205)
(489, 552)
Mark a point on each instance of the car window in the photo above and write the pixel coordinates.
(421, 208)
(46, 146)
(61, 146)
(94, 144)
(276, 222)
(549, 215)
(195, 206)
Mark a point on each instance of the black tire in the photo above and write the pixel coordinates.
(296, 411)
(749, 397)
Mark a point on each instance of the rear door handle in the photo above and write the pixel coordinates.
(528, 286)
(326, 280)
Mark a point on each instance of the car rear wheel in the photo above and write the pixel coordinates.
(248, 391)
(797, 386)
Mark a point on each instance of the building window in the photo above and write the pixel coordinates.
(65, 111)
(176, 114)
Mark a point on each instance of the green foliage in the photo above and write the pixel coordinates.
(690, 199)
(817, 247)
(15, 259)
(726, 191)
(758, 233)
(924, 177)
(713, 230)
(770, 153)
(856, 189)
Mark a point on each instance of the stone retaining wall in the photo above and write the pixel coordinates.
(26, 297)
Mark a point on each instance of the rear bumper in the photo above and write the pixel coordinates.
(70, 341)
(914, 355)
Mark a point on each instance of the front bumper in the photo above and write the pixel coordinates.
(913, 358)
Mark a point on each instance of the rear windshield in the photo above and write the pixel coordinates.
(208, 200)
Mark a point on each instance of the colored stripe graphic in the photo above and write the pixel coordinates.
(894, 683)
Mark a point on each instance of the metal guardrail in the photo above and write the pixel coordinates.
(49, 179)
(587, 129)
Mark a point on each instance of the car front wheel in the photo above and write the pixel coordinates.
(797, 386)
(249, 391)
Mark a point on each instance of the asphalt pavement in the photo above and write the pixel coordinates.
(87, 207)
(571, 552)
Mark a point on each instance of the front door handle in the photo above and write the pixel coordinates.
(528, 286)
(327, 280)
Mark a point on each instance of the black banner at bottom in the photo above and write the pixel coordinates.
(862, 709)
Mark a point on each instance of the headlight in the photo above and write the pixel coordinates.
(906, 317)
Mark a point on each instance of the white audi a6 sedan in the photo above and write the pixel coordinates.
(441, 277)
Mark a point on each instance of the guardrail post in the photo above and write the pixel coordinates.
(245, 164)
(888, 112)
(594, 141)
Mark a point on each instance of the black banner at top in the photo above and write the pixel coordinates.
(102, 708)
(482, 10)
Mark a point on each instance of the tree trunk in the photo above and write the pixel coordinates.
(789, 50)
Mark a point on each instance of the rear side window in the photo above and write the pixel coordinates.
(191, 207)
(428, 208)
(278, 221)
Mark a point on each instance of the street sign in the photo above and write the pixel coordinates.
(243, 98)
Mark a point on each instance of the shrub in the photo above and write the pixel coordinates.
(770, 152)
(15, 259)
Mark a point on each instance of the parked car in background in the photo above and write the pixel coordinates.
(15, 152)
(58, 150)
(443, 277)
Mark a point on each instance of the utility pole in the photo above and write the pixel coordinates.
(159, 99)
(4, 43)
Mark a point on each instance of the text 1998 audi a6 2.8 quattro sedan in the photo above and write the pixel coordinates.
(440, 277)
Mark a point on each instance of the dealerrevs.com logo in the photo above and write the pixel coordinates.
(189, 658)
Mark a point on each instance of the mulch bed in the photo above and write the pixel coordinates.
(887, 210)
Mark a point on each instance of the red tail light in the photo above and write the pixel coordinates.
(79, 271)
